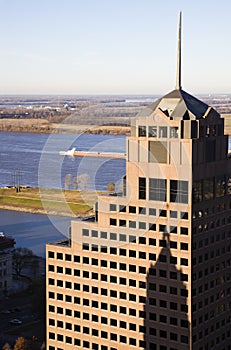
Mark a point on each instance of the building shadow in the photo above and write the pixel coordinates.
(166, 323)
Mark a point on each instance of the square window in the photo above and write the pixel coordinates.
(142, 210)
(113, 222)
(94, 233)
(163, 213)
(152, 211)
(113, 236)
(142, 225)
(132, 209)
(122, 209)
(132, 224)
(152, 131)
(103, 235)
(85, 232)
(112, 207)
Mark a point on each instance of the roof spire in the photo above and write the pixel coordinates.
(178, 74)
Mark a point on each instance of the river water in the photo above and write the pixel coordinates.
(33, 231)
(33, 160)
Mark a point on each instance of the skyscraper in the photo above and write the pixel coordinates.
(152, 271)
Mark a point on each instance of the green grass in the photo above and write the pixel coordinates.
(29, 199)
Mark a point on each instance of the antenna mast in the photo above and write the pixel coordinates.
(178, 74)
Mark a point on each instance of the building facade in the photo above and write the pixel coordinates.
(152, 271)
(6, 273)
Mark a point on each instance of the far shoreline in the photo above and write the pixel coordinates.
(42, 126)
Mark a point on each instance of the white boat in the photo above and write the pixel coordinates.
(70, 152)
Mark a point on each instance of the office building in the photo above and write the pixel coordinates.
(6, 272)
(152, 271)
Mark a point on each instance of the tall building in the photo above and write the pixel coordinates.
(6, 272)
(152, 271)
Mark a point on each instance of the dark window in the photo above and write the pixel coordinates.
(132, 209)
(76, 258)
(60, 256)
(152, 241)
(184, 215)
(178, 191)
(51, 254)
(122, 208)
(122, 222)
(152, 227)
(122, 252)
(112, 222)
(142, 210)
(142, 188)
(157, 189)
(163, 212)
(142, 131)
(142, 240)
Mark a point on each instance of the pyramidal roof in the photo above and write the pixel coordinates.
(178, 104)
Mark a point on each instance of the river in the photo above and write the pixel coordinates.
(33, 160)
(33, 231)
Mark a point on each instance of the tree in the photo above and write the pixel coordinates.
(67, 181)
(21, 344)
(20, 255)
(111, 187)
(6, 347)
(75, 182)
(43, 346)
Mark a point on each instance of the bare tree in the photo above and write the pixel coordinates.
(20, 255)
(111, 187)
(67, 181)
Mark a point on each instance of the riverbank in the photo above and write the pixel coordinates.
(46, 127)
(47, 201)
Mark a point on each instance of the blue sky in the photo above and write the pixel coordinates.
(113, 46)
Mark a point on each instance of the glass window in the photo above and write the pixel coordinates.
(163, 131)
(112, 207)
(173, 132)
(152, 211)
(178, 191)
(132, 224)
(142, 131)
(157, 189)
(132, 209)
(152, 131)
(142, 188)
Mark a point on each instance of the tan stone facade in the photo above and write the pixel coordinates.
(153, 270)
